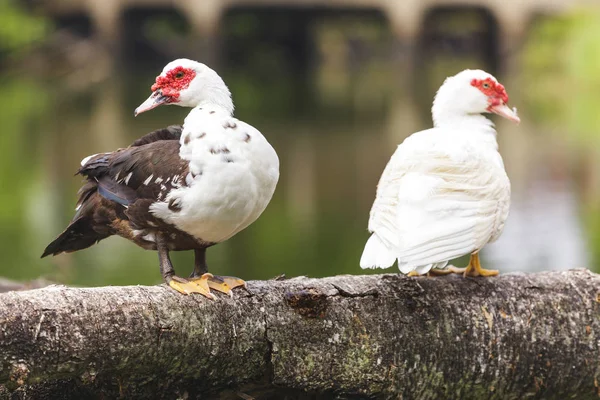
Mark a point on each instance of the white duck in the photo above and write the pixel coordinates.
(444, 193)
(178, 188)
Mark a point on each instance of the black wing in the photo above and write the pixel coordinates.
(146, 171)
(120, 187)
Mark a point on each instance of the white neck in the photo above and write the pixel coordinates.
(209, 93)
(226, 109)
(453, 120)
(220, 97)
(476, 126)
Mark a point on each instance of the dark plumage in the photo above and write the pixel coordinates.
(119, 190)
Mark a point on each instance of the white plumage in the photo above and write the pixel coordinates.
(233, 174)
(445, 192)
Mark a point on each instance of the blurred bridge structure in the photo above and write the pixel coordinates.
(506, 21)
(405, 16)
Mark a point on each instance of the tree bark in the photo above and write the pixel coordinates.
(383, 336)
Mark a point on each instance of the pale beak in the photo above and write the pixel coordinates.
(503, 111)
(156, 99)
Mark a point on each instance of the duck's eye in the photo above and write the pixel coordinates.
(179, 75)
(485, 85)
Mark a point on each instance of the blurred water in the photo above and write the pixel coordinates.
(333, 146)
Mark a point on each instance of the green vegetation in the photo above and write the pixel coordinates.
(22, 106)
(18, 28)
(561, 77)
(561, 72)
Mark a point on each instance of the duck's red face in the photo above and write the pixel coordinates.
(167, 88)
(174, 82)
(496, 97)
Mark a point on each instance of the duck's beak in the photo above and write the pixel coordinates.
(504, 111)
(156, 99)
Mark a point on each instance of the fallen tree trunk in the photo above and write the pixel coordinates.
(386, 336)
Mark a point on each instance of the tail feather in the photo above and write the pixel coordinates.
(78, 235)
(86, 229)
(376, 254)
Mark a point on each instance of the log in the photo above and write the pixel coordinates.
(514, 336)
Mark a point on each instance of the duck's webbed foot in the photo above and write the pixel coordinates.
(186, 286)
(223, 284)
(182, 285)
(474, 268)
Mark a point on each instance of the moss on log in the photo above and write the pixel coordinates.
(384, 336)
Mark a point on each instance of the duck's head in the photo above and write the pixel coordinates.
(187, 83)
(471, 92)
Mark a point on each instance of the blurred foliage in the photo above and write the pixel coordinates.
(167, 26)
(561, 74)
(561, 77)
(22, 107)
(19, 28)
(593, 228)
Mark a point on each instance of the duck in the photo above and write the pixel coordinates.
(445, 192)
(184, 187)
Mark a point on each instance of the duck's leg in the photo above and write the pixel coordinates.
(222, 284)
(168, 273)
(474, 268)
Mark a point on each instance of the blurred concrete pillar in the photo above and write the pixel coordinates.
(512, 29)
(106, 19)
(405, 18)
(204, 18)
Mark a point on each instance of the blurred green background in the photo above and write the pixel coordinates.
(333, 90)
